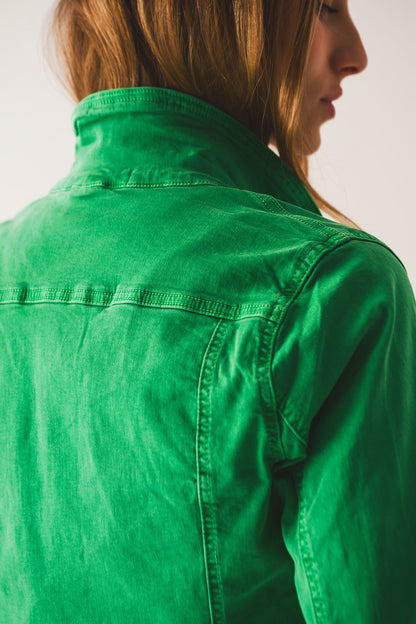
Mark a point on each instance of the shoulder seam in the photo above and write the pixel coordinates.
(272, 203)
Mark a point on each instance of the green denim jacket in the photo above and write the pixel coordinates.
(208, 408)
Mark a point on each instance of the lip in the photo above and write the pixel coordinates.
(333, 96)
(329, 108)
(327, 102)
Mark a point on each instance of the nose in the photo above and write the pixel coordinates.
(350, 56)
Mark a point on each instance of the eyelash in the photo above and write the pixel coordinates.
(325, 8)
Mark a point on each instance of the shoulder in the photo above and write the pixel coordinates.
(317, 250)
(352, 317)
(250, 247)
(338, 251)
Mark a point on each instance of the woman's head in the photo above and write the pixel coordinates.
(250, 59)
(336, 51)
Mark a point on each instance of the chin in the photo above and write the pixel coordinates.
(312, 145)
(308, 145)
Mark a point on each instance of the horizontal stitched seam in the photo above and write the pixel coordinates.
(133, 185)
(143, 297)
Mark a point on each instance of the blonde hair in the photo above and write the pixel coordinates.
(238, 55)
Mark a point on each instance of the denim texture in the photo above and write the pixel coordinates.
(208, 408)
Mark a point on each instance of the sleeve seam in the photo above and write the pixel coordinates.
(305, 549)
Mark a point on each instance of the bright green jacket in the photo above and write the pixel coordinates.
(207, 407)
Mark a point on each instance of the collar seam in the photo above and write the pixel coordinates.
(103, 184)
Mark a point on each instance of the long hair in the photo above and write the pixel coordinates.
(239, 55)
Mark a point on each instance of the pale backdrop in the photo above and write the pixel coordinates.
(366, 166)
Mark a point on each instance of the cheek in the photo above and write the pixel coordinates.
(317, 64)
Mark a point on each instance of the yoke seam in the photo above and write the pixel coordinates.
(137, 296)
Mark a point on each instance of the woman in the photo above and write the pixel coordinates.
(208, 406)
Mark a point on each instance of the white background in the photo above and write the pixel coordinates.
(365, 167)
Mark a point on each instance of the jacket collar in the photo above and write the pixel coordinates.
(144, 136)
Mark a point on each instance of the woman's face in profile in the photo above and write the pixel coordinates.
(336, 52)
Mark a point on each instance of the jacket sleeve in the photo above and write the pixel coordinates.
(343, 372)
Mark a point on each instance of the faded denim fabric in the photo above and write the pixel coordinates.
(207, 406)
